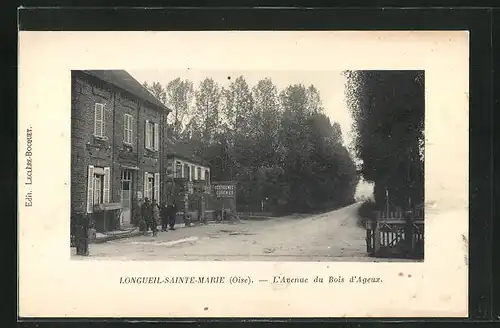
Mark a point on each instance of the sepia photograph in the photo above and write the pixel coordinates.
(247, 165)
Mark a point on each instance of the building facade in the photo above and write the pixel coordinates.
(117, 148)
(187, 176)
(179, 167)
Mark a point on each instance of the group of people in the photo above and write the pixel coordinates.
(152, 213)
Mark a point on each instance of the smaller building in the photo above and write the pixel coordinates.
(182, 163)
(187, 176)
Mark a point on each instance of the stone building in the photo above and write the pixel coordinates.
(117, 148)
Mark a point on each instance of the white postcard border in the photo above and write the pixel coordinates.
(53, 285)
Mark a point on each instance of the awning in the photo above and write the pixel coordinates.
(133, 168)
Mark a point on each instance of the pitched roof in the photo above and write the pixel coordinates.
(125, 81)
(182, 149)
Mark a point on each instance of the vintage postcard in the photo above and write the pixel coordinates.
(243, 174)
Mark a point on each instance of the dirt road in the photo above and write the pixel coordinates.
(332, 236)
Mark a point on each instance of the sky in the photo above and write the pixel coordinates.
(330, 84)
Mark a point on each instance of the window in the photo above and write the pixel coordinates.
(126, 179)
(98, 183)
(187, 172)
(198, 173)
(152, 186)
(127, 124)
(148, 135)
(99, 120)
(178, 170)
(127, 175)
(207, 177)
(152, 135)
(98, 187)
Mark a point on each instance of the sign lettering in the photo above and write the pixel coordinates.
(224, 190)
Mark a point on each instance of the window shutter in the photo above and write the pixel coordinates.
(145, 184)
(97, 119)
(90, 190)
(157, 187)
(156, 145)
(131, 124)
(148, 134)
(106, 187)
(102, 120)
(125, 127)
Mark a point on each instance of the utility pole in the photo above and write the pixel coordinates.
(408, 179)
(387, 201)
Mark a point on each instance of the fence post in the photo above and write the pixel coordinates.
(369, 231)
(376, 234)
(409, 232)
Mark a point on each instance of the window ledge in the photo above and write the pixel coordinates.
(102, 138)
(97, 208)
(128, 145)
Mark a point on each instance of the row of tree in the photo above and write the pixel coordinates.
(277, 144)
(388, 108)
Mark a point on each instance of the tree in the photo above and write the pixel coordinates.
(332, 171)
(337, 133)
(179, 97)
(278, 146)
(318, 168)
(204, 121)
(314, 103)
(266, 118)
(157, 90)
(388, 108)
(238, 115)
(206, 110)
(239, 107)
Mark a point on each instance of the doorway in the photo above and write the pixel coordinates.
(126, 198)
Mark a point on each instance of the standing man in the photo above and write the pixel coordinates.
(172, 215)
(164, 214)
(147, 214)
(156, 217)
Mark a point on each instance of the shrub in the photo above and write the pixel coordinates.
(366, 211)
